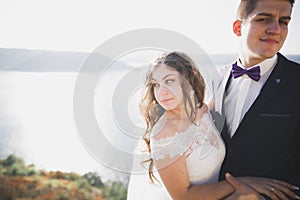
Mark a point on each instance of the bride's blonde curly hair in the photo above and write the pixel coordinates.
(191, 79)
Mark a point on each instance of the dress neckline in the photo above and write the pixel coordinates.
(172, 137)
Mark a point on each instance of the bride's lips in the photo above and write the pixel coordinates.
(166, 100)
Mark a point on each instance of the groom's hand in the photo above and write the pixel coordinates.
(242, 191)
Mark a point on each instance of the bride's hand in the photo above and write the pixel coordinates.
(242, 191)
(275, 189)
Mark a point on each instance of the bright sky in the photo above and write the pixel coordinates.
(82, 25)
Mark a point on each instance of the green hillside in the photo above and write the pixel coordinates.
(21, 182)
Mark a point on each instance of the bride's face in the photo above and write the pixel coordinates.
(167, 87)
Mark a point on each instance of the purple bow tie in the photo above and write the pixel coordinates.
(253, 73)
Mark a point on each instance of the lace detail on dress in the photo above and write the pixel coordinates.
(184, 142)
(173, 146)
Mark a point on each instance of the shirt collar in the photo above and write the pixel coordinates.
(265, 65)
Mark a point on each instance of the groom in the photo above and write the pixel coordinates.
(262, 105)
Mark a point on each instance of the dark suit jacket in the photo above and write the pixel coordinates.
(267, 141)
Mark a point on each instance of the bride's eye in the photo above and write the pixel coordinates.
(155, 84)
(168, 81)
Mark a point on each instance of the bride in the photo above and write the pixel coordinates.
(185, 150)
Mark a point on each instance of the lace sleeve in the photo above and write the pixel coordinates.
(170, 147)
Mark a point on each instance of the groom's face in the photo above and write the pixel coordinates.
(264, 31)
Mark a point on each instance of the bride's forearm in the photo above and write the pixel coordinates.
(209, 191)
(213, 191)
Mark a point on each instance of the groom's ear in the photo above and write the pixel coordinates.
(237, 27)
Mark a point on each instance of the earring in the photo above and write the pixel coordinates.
(192, 92)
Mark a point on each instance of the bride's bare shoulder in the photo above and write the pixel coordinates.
(164, 129)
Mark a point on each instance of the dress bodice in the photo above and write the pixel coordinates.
(202, 145)
(204, 150)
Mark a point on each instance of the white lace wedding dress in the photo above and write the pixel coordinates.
(204, 150)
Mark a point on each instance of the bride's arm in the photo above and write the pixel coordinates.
(176, 180)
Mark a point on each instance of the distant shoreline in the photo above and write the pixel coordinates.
(31, 60)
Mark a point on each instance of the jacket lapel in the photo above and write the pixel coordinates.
(219, 97)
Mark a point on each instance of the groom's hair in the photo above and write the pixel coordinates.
(246, 7)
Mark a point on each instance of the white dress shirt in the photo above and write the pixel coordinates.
(242, 92)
